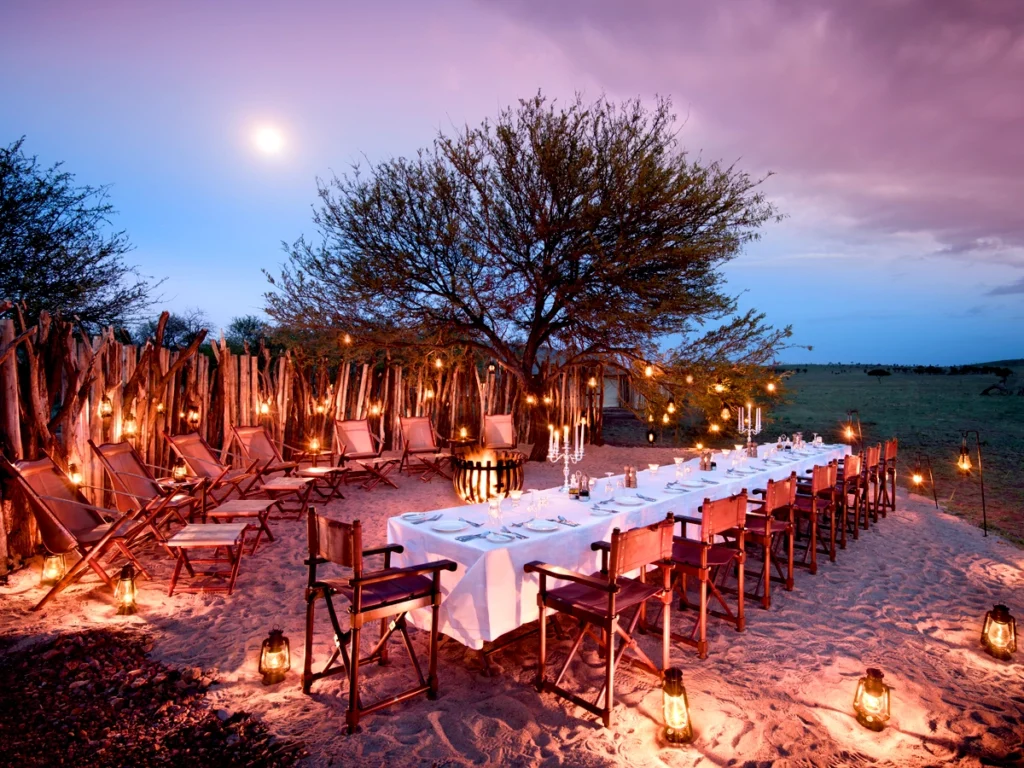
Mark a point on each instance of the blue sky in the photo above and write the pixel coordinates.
(893, 134)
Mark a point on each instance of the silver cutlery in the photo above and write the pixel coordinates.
(427, 520)
(504, 529)
(470, 522)
(645, 498)
(520, 525)
(563, 521)
(471, 536)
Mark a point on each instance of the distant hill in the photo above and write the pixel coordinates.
(1018, 363)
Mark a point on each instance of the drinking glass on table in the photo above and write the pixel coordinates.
(532, 503)
(515, 495)
(654, 468)
(494, 511)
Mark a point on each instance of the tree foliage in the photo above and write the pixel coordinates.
(552, 236)
(246, 332)
(178, 331)
(57, 251)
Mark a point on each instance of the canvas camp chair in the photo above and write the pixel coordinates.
(221, 480)
(421, 444)
(851, 497)
(816, 503)
(136, 490)
(601, 601)
(888, 467)
(704, 558)
(68, 523)
(499, 431)
(768, 523)
(358, 444)
(385, 595)
(256, 445)
(872, 478)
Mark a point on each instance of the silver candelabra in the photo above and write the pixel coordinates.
(566, 451)
(749, 421)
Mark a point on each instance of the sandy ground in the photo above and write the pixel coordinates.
(908, 597)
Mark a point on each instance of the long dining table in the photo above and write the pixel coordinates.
(489, 595)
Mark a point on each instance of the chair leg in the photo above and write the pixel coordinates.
(609, 692)
(307, 663)
(813, 545)
(543, 651)
(792, 545)
(383, 658)
(432, 662)
(702, 618)
(766, 597)
(740, 617)
(352, 715)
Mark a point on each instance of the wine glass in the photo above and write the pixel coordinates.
(515, 495)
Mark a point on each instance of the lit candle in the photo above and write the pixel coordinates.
(758, 427)
(565, 435)
(551, 438)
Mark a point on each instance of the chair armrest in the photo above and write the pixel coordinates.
(391, 574)
(565, 574)
(689, 519)
(601, 546)
(759, 492)
(397, 548)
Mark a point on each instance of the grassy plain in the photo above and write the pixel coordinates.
(927, 414)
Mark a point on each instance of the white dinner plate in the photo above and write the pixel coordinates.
(411, 516)
(449, 526)
(499, 538)
(541, 526)
(629, 501)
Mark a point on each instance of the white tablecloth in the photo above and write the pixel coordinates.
(489, 595)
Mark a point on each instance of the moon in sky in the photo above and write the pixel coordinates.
(268, 140)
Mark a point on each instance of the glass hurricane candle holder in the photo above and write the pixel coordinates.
(654, 469)
(53, 570)
(515, 496)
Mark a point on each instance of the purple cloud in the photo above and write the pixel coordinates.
(905, 116)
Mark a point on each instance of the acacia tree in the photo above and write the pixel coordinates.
(554, 236)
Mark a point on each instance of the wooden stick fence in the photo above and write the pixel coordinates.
(151, 390)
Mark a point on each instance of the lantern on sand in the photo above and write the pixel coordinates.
(275, 657)
(999, 632)
(125, 591)
(675, 708)
(179, 471)
(871, 701)
(53, 570)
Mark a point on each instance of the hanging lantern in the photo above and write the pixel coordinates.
(491, 368)
(963, 464)
(53, 570)
(531, 400)
(179, 471)
(689, 378)
(592, 382)
(871, 702)
(106, 407)
(651, 436)
(128, 426)
(160, 408)
(275, 657)
(74, 475)
(719, 387)
(999, 632)
(193, 415)
(665, 418)
(438, 363)
(264, 408)
(714, 428)
(648, 371)
(375, 410)
(346, 340)
(428, 395)
(320, 409)
(125, 591)
(725, 413)
(770, 386)
(848, 432)
(699, 446)
(675, 708)
(671, 406)
(547, 400)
